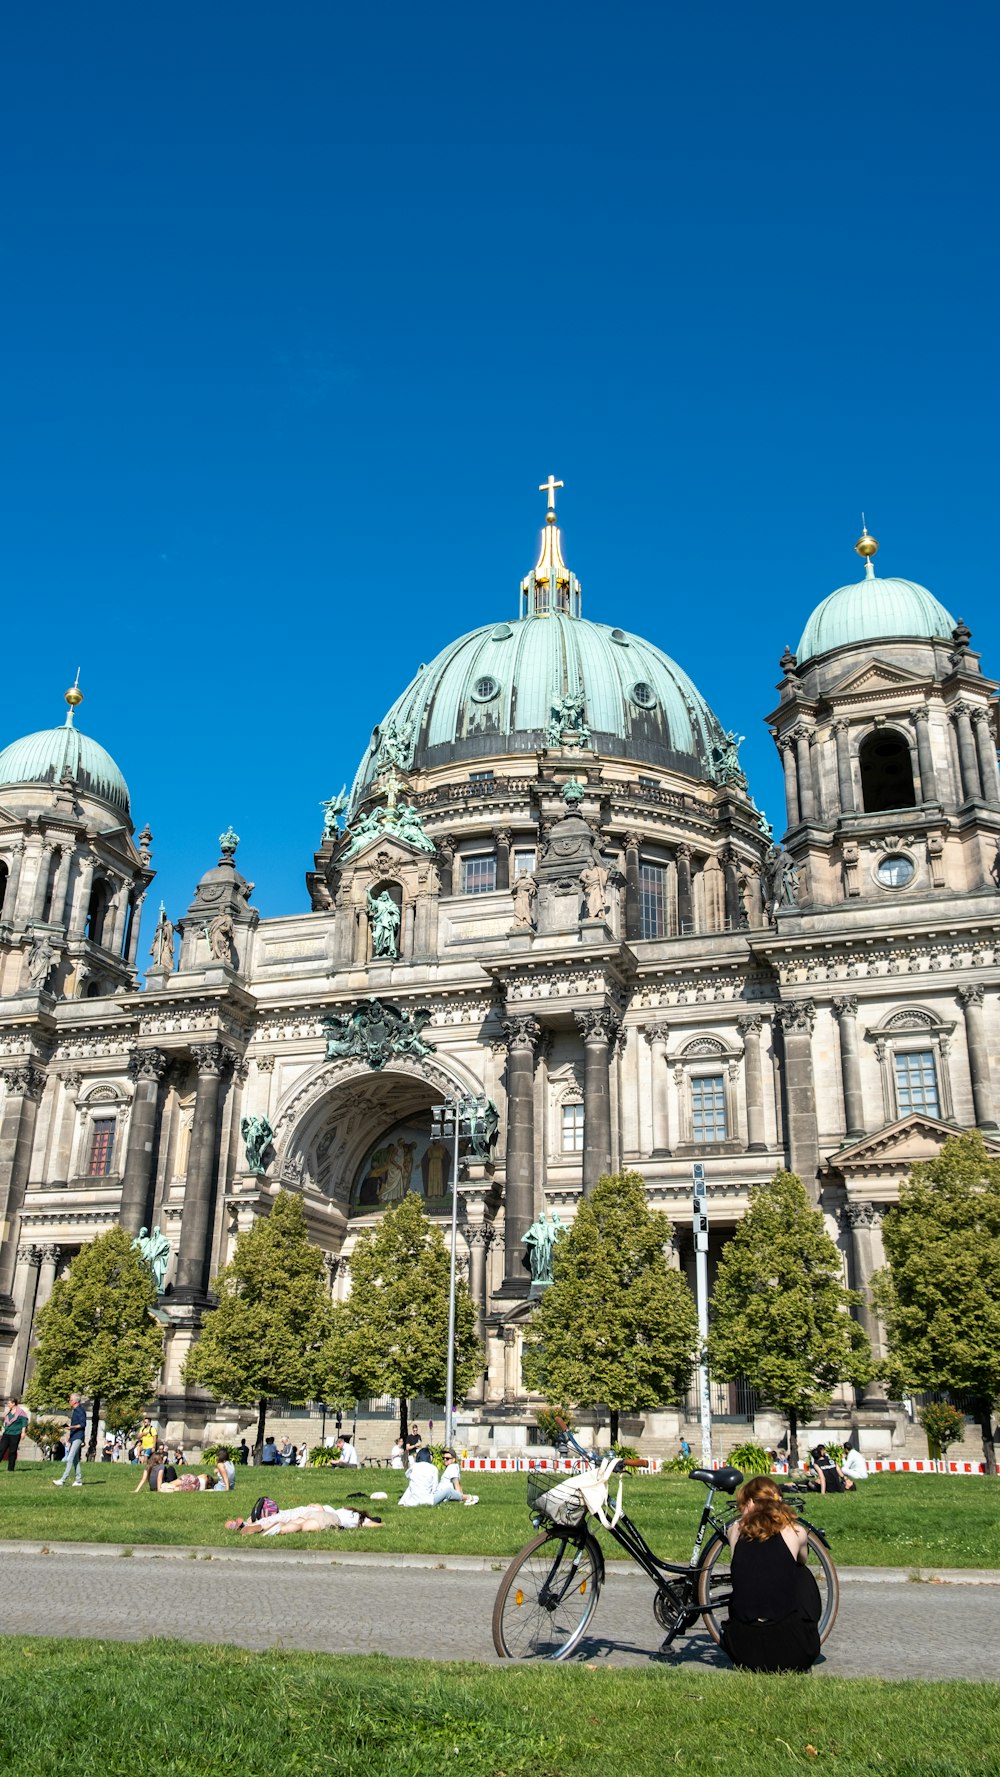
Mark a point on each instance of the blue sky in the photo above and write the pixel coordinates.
(300, 304)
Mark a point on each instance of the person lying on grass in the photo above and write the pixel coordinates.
(162, 1477)
(294, 1520)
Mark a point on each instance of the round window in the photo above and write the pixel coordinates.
(619, 636)
(644, 695)
(485, 689)
(896, 872)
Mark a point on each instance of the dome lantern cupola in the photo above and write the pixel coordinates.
(550, 587)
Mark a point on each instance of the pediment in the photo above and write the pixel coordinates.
(876, 675)
(899, 1145)
(384, 852)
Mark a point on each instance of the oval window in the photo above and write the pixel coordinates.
(619, 636)
(485, 689)
(643, 695)
(896, 872)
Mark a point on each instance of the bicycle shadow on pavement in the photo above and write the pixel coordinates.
(694, 1650)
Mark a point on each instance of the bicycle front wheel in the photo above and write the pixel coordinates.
(715, 1584)
(547, 1597)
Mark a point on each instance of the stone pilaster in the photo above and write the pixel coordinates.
(807, 795)
(971, 1002)
(845, 780)
(147, 1067)
(864, 1221)
(656, 1036)
(846, 1010)
(522, 1035)
(750, 1028)
(24, 1085)
(987, 755)
(502, 838)
(790, 766)
(685, 893)
(598, 1029)
(968, 761)
(633, 901)
(801, 1134)
(81, 895)
(921, 719)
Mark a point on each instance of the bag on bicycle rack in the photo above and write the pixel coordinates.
(569, 1502)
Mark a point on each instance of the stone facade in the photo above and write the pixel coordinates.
(608, 947)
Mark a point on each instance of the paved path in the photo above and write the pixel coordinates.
(260, 1598)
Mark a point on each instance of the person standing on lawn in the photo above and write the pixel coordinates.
(15, 1423)
(74, 1441)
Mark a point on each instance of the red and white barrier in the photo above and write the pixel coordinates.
(653, 1465)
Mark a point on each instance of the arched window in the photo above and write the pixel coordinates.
(4, 875)
(886, 771)
(97, 912)
(93, 990)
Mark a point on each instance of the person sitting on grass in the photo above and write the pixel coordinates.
(450, 1490)
(225, 1475)
(825, 1476)
(156, 1471)
(296, 1520)
(774, 1611)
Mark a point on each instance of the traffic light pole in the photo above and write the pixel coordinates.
(700, 1228)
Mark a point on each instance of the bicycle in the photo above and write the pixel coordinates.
(550, 1591)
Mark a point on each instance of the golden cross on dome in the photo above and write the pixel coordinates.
(549, 487)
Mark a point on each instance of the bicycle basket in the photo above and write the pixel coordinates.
(568, 1502)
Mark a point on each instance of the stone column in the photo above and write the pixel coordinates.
(971, 1001)
(81, 896)
(133, 935)
(961, 715)
(147, 1067)
(864, 1221)
(57, 912)
(786, 747)
(115, 941)
(633, 900)
(479, 1239)
(987, 753)
(523, 1035)
(801, 1134)
(448, 854)
(846, 1009)
(193, 1250)
(807, 795)
(502, 838)
(735, 914)
(48, 1265)
(921, 719)
(25, 1287)
(24, 1087)
(685, 893)
(42, 880)
(598, 1029)
(656, 1037)
(750, 1028)
(845, 780)
(13, 881)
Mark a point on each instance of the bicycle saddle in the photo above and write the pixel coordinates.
(725, 1480)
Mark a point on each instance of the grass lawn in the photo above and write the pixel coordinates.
(104, 1710)
(892, 1521)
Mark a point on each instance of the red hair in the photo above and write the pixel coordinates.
(765, 1513)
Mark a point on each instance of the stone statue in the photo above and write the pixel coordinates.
(407, 823)
(524, 889)
(162, 948)
(375, 1030)
(367, 826)
(725, 759)
(41, 958)
(396, 744)
(221, 933)
(384, 916)
(780, 880)
(573, 793)
(764, 826)
(332, 807)
(154, 1249)
(483, 1124)
(566, 723)
(594, 882)
(540, 1241)
(257, 1136)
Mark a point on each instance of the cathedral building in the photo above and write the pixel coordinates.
(548, 894)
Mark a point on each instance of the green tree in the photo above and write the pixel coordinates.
(780, 1314)
(391, 1337)
(939, 1295)
(96, 1336)
(617, 1326)
(273, 1318)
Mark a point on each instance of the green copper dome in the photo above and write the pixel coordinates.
(45, 758)
(496, 691)
(872, 610)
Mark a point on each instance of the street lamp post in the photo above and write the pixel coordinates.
(447, 1120)
(700, 1229)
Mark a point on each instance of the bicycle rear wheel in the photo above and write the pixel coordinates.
(715, 1584)
(547, 1597)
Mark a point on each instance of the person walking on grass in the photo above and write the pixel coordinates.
(74, 1441)
(15, 1423)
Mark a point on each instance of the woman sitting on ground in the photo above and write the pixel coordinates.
(155, 1471)
(775, 1608)
(295, 1520)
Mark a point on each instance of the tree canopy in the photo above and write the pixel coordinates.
(617, 1326)
(264, 1339)
(391, 1336)
(96, 1337)
(939, 1296)
(780, 1310)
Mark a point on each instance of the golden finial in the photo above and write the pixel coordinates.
(549, 487)
(74, 696)
(866, 546)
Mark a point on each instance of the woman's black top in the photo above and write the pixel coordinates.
(769, 1584)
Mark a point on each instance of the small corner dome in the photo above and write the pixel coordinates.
(873, 610)
(43, 759)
